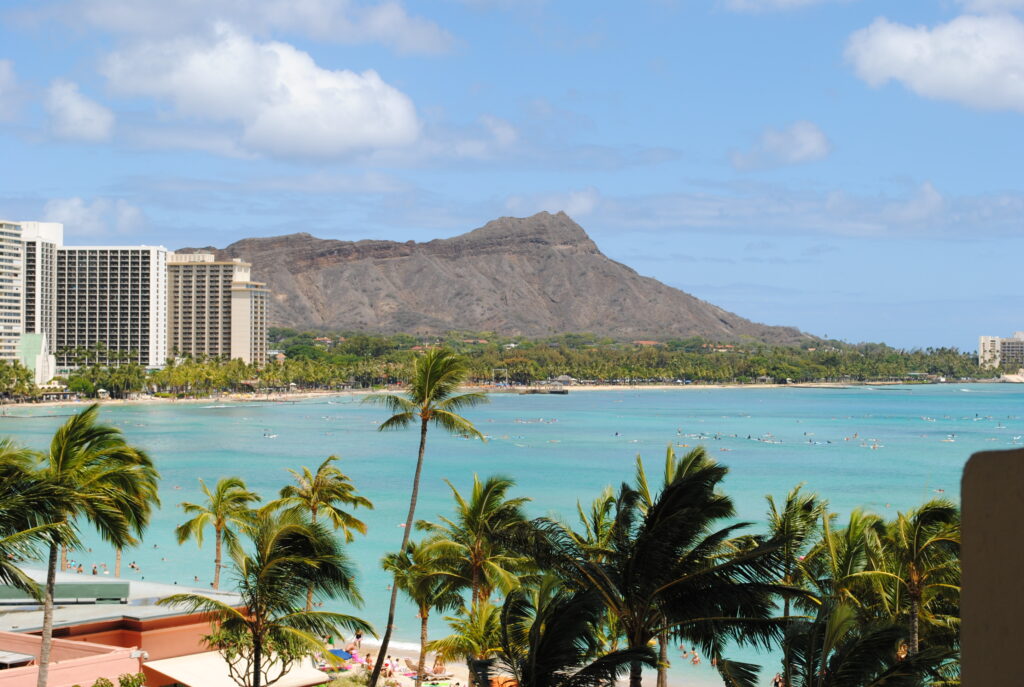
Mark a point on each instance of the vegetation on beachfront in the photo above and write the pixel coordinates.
(653, 566)
(358, 360)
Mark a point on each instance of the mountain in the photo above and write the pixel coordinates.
(532, 276)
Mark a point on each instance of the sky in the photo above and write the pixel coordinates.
(849, 167)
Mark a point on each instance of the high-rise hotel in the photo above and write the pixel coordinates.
(142, 303)
(115, 296)
(215, 308)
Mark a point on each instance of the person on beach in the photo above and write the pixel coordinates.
(438, 668)
(359, 639)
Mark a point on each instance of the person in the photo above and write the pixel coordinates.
(387, 669)
(777, 681)
(359, 639)
(438, 668)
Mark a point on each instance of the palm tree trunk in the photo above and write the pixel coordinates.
(217, 557)
(663, 660)
(47, 641)
(309, 589)
(421, 666)
(382, 652)
(636, 674)
(257, 651)
(63, 557)
(787, 669)
(915, 611)
(117, 562)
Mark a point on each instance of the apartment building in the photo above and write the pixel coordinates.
(994, 351)
(11, 289)
(215, 309)
(42, 242)
(115, 296)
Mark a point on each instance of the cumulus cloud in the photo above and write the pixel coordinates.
(100, 217)
(274, 96)
(74, 116)
(343, 21)
(800, 142)
(972, 60)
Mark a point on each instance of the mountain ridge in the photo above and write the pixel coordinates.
(532, 276)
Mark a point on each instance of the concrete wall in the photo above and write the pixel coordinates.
(992, 606)
(72, 663)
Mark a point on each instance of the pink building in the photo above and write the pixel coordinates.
(72, 663)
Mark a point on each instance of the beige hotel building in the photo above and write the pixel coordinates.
(215, 309)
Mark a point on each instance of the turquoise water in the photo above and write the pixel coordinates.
(559, 449)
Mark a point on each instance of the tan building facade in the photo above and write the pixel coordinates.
(994, 351)
(215, 309)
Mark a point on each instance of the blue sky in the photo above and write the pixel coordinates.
(849, 167)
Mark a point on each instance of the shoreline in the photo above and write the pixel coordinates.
(297, 396)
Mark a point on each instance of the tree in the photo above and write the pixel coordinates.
(548, 640)
(471, 545)
(796, 524)
(432, 399)
(226, 508)
(674, 569)
(25, 500)
(418, 573)
(98, 477)
(287, 553)
(476, 636)
(324, 492)
(920, 563)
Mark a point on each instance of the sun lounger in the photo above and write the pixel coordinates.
(427, 675)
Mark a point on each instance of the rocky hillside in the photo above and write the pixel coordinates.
(532, 276)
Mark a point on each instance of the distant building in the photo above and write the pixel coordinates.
(11, 305)
(115, 296)
(215, 309)
(42, 242)
(994, 351)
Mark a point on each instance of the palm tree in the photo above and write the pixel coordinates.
(323, 492)
(476, 636)
(25, 500)
(287, 553)
(548, 640)
(921, 558)
(418, 573)
(471, 546)
(97, 476)
(227, 507)
(675, 570)
(796, 523)
(432, 399)
(835, 649)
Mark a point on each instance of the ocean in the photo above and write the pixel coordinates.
(884, 448)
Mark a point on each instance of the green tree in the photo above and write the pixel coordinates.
(418, 573)
(432, 399)
(324, 493)
(471, 545)
(100, 479)
(227, 508)
(795, 523)
(548, 639)
(673, 568)
(476, 636)
(287, 553)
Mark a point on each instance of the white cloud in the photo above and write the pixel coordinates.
(800, 142)
(973, 60)
(343, 21)
(76, 117)
(275, 97)
(578, 203)
(101, 216)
